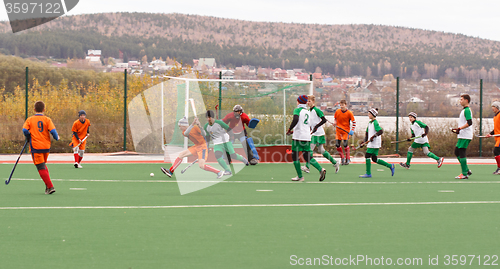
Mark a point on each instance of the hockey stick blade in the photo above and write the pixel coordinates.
(185, 169)
(14, 168)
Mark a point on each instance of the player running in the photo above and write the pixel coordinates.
(343, 118)
(464, 134)
(317, 119)
(80, 131)
(38, 128)
(200, 149)
(301, 139)
(373, 133)
(495, 106)
(216, 130)
(420, 131)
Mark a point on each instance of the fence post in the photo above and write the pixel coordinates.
(26, 98)
(125, 111)
(480, 117)
(220, 94)
(397, 114)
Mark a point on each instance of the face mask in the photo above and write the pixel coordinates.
(237, 115)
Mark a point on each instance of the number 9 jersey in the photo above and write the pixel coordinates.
(39, 127)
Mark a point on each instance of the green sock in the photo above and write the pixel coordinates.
(408, 157)
(384, 163)
(239, 157)
(296, 164)
(307, 165)
(316, 164)
(329, 157)
(222, 163)
(432, 155)
(463, 164)
(368, 167)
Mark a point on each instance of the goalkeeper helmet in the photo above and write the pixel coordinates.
(237, 108)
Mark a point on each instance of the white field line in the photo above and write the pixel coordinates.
(250, 205)
(264, 182)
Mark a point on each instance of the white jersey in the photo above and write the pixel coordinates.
(467, 133)
(217, 132)
(372, 129)
(418, 129)
(316, 115)
(302, 131)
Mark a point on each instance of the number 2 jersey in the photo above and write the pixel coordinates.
(40, 128)
(302, 131)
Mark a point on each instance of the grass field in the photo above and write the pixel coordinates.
(117, 216)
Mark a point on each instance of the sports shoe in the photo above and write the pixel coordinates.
(497, 172)
(220, 174)
(461, 176)
(393, 169)
(298, 179)
(407, 166)
(342, 161)
(366, 176)
(80, 166)
(305, 169)
(440, 162)
(254, 161)
(50, 191)
(469, 173)
(347, 161)
(76, 165)
(227, 173)
(337, 167)
(166, 172)
(322, 174)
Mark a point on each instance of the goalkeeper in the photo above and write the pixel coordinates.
(236, 121)
(420, 131)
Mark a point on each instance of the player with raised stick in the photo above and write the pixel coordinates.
(317, 119)
(217, 131)
(419, 131)
(373, 135)
(464, 134)
(197, 135)
(301, 139)
(342, 122)
(80, 131)
(38, 128)
(495, 106)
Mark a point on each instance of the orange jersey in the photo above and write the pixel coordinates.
(344, 120)
(39, 127)
(496, 129)
(80, 128)
(196, 136)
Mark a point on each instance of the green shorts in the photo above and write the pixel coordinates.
(418, 145)
(301, 145)
(463, 143)
(318, 140)
(372, 151)
(224, 147)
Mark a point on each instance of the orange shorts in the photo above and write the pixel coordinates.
(200, 150)
(341, 135)
(75, 142)
(39, 158)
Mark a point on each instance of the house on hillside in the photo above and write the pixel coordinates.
(94, 58)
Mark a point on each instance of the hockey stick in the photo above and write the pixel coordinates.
(85, 138)
(216, 109)
(361, 145)
(483, 136)
(406, 140)
(191, 100)
(184, 170)
(11, 173)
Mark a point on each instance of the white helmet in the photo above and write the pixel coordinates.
(237, 108)
(183, 122)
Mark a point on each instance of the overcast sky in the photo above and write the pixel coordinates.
(473, 18)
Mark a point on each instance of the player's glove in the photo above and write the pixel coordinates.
(409, 139)
(351, 132)
(289, 132)
(314, 130)
(423, 135)
(456, 130)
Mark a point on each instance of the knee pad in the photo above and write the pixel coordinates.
(234, 156)
(368, 155)
(462, 153)
(457, 152)
(411, 149)
(496, 151)
(374, 158)
(75, 150)
(321, 149)
(426, 150)
(337, 144)
(346, 143)
(307, 156)
(41, 166)
(80, 153)
(295, 156)
(218, 154)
